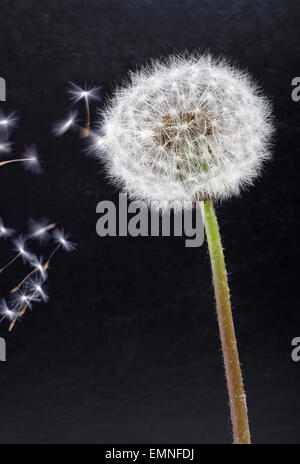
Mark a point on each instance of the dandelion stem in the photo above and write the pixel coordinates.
(22, 311)
(46, 265)
(12, 324)
(48, 227)
(17, 287)
(17, 160)
(237, 397)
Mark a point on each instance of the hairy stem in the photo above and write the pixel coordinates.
(237, 397)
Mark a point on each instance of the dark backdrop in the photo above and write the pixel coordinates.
(127, 348)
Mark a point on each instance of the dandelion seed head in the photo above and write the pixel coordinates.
(38, 265)
(183, 130)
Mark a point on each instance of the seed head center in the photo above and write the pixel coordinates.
(175, 131)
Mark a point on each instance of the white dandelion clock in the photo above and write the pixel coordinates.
(186, 129)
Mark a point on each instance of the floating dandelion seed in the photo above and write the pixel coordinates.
(78, 93)
(31, 289)
(6, 312)
(8, 122)
(20, 245)
(38, 265)
(40, 229)
(35, 292)
(61, 127)
(5, 232)
(36, 287)
(86, 94)
(192, 129)
(5, 147)
(30, 159)
(62, 240)
(21, 252)
(19, 300)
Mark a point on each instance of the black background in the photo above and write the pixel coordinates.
(127, 348)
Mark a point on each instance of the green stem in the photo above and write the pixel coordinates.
(237, 397)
